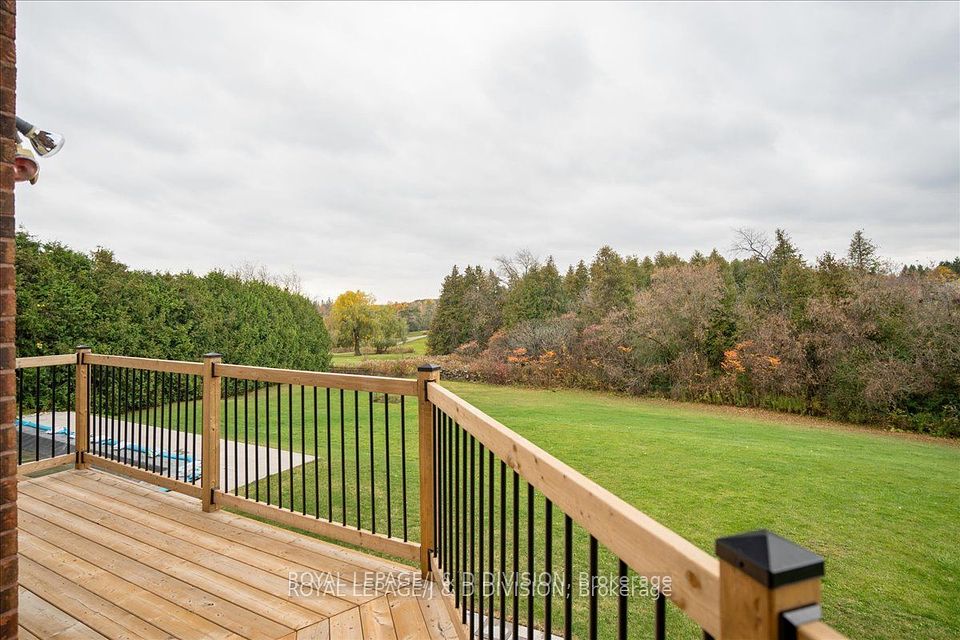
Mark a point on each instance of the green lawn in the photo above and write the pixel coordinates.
(416, 341)
(883, 509)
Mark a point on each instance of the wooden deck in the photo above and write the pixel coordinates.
(106, 557)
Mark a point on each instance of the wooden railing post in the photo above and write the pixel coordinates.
(82, 406)
(210, 449)
(769, 586)
(425, 375)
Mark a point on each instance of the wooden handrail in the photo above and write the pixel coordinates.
(149, 364)
(33, 362)
(349, 382)
(648, 547)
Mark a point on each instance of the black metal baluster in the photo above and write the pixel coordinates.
(171, 453)
(567, 577)
(193, 432)
(36, 450)
(473, 548)
(450, 527)
(20, 416)
(593, 589)
(440, 479)
(130, 448)
(316, 458)
(236, 438)
(105, 400)
(403, 463)
(386, 440)
(140, 448)
(70, 407)
(436, 475)
(330, 463)
(105, 392)
(303, 449)
(622, 591)
(256, 441)
(465, 531)
(442, 488)
(179, 396)
(127, 427)
(168, 383)
(343, 464)
(530, 558)
(115, 416)
(131, 412)
(126, 415)
(280, 445)
(53, 413)
(266, 398)
(356, 446)
(456, 514)
(373, 491)
(660, 617)
(156, 404)
(290, 441)
(481, 540)
(225, 417)
(132, 445)
(503, 549)
(516, 553)
(548, 566)
(490, 549)
(246, 440)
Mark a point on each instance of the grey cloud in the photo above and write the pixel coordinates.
(375, 145)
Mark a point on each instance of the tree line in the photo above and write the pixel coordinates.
(66, 298)
(841, 336)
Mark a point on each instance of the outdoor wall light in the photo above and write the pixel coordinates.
(25, 165)
(44, 142)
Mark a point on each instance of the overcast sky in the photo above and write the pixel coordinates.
(373, 146)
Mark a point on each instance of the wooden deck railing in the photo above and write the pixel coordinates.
(407, 468)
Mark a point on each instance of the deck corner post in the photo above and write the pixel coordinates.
(210, 437)
(82, 407)
(425, 375)
(769, 586)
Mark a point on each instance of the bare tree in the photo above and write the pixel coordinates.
(513, 268)
(753, 243)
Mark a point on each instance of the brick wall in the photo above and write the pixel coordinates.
(8, 312)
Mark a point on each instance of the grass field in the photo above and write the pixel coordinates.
(416, 341)
(881, 508)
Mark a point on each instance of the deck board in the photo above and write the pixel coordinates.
(106, 557)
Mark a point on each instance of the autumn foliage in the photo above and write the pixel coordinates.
(845, 338)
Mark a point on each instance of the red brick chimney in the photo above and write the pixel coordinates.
(8, 314)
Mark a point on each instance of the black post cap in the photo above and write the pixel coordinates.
(769, 559)
(82, 346)
(428, 367)
(213, 355)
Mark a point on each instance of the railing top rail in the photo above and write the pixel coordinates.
(376, 384)
(647, 546)
(33, 362)
(150, 364)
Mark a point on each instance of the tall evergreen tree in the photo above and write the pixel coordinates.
(862, 254)
(610, 286)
